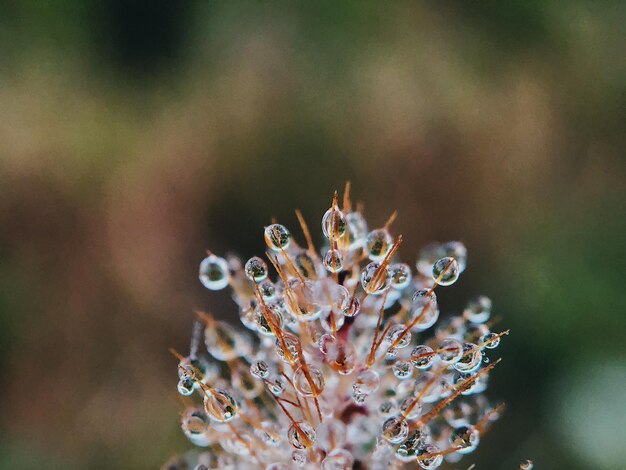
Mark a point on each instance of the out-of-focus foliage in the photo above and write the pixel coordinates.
(134, 135)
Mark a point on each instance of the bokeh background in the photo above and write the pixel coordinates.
(136, 134)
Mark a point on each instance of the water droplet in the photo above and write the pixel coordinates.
(186, 386)
(269, 433)
(378, 244)
(395, 429)
(491, 340)
(422, 356)
(259, 369)
(429, 457)
(301, 435)
(338, 459)
(416, 408)
(310, 386)
(267, 320)
(256, 269)
(446, 271)
(457, 251)
(403, 369)
(400, 275)
(397, 332)
(387, 408)
(277, 237)
(340, 355)
(220, 405)
(450, 350)
(470, 359)
(288, 347)
(334, 224)
(465, 438)
(357, 229)
(424, 305)
(214, 272)
(276, 385)
(375, 279)
(306, 265)
(268, 290)
(333, 261)
(478, 309)
(366, 383)
(299, 458)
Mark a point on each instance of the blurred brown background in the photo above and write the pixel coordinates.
(136, 134)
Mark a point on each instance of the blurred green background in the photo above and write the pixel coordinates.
(136, 134)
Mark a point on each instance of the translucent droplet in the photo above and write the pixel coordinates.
(332, 321)
(301, 435)
(402, 369)
(427, 257)
(220, 405)
(225, 343)
(277, 237)
(378, 244)
(427, 387)
(398, 332)
(470, 359)
(354, 308)
(450, 351)
(267, 320)
(424, 308)
(367, 382)
(491, 340)
(387, 408)
(395, 429)
(429, 457)
(465, 438)
(268, 290)
(338, 459)
(310, 386)
(288, 348)
(195, 425)
(446, 271)
(334, 224)
(276, 385)
(478, 309)
(410, 408)
(400, 275)
(186, 386)
(324, 341)
(333, 261)
(422, 356)
(340, 355)
(256, 269)
(259, 369)
(331, 434)
(299, 458)
(305, 265)
(357, 229)
(269, 433)
(527, 465)
(301, 301)
(457, 251)
(375, 279)
(214, 272)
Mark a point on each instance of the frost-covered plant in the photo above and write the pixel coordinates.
(342, 365)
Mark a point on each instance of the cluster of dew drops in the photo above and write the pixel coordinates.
(345, 364)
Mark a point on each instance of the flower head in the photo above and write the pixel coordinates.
(342, 363)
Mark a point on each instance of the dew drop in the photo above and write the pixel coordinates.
(446, 271)
(214, 272)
